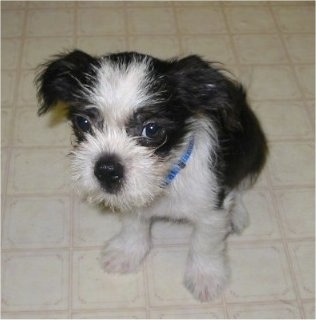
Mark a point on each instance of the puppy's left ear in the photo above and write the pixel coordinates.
(202, 88)
(64, 79)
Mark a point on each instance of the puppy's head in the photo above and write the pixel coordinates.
(132, 116)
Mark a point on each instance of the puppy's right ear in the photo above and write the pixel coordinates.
(64, 78)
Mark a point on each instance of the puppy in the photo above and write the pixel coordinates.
(174, 139)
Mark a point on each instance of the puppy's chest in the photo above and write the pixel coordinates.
(182, 201)
(191, 195)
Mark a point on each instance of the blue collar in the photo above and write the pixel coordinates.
(180, 164)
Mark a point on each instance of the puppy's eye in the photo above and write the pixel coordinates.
(82, 123)
(153, 131)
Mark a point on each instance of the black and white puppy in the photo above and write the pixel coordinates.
(156, 138)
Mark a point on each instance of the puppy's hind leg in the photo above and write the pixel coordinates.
(239, 214)
(207, 271)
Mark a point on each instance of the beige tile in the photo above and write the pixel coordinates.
(295, 18)
(100, 4)
(163, 47)
(263, 223)
(282, 120)
(228, 70)
(50, 22)
(164, 232)
(102, 45)
(291, 163)
(197, 3)
(12, 23)
(30, 130)
(306, 78)
(10, 50)
(95, 289)
(8, 83)
(35, 315)
(27, 89)
(262, 181)
(250, 19)
(140, 21)
(141, 3)
(261, 48)
(277, 310)
(35, 281)
(211, 47)
(50, 4)
(297, 210)
(93, 226)
(305, 3)
(100, 21)
(36, 211)
(311, 111)
(303, 257)
(270, 82)
(301, 47)
(259, 273)
(234, 3)
(36, 223)
(32, 57)
(107, 314)
(188, 313)
(7, 5)
(309, 310)
(41, 171)
(4, 172)
(166, 266)
(203, 20)
(6, 126)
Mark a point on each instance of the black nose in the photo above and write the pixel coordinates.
(109, 172)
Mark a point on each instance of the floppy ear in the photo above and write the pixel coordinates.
(64, 78)
(202, 88)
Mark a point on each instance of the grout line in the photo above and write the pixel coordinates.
(178, 34)
(161, 35)
(232, 43)
(76, 25)
(146, 284)
(71, 247)
(127, 34)
(170, 246)
(284, 242)
(280, 35)
(270, 183)
(269, 179)
(11, 131)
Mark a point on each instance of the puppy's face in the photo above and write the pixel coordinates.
(132, 116)
(117, 160)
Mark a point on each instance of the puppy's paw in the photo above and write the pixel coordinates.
(120, 257)
(240, 218)
(205, 281)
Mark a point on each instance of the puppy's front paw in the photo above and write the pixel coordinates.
(206, 280)
(121, 257)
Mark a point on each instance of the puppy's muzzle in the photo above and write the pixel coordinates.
(110, 173)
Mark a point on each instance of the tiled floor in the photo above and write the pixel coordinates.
(51, 240)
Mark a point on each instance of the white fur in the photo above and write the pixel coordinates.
(125, 252)
(191, 195)
(138, 163)
(121, 89)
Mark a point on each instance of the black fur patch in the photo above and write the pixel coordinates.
(185, 88)
(64, 78)
(91, 114)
